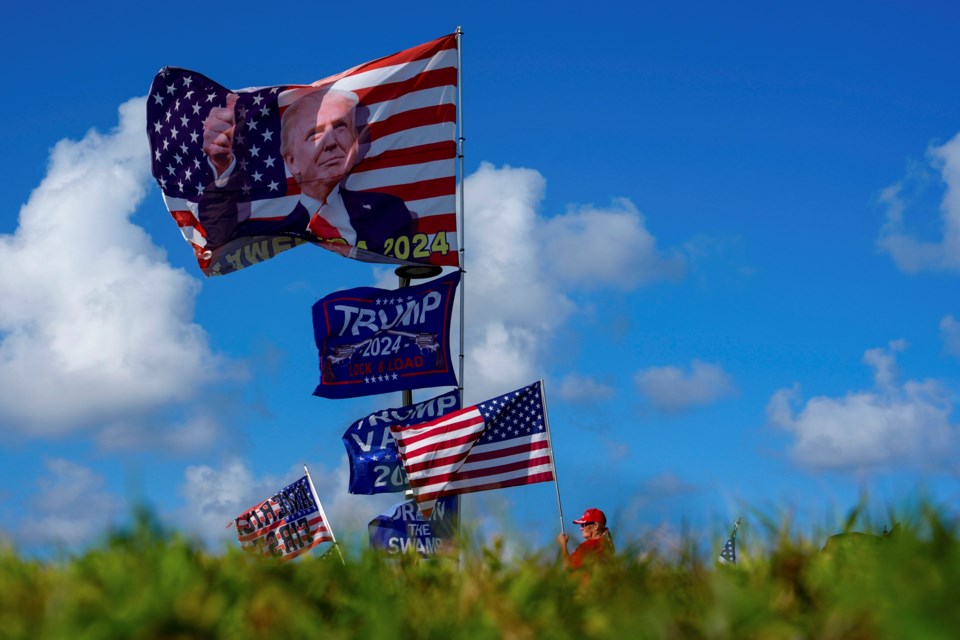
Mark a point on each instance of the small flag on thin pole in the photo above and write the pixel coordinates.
(728, 555)
(323, 516)
(287, 524)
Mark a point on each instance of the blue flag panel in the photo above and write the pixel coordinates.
(403, 529)
(374, 461)
(375, 341)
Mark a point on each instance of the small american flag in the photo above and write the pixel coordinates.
(728, 555)
(406, 117)
(287, 524)
(502, 442)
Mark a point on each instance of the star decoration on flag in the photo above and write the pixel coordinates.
(522, 406)
(179, 102)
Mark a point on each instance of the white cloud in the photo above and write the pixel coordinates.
(72, 507)
(577, 388)
(607, 247)
(518, 294)
(197, 433)
(911, 254)
(511, 304)
(95, 324)
(884, 363)
(214, 497)
(900, 424)
(671, 389)
(950, 333)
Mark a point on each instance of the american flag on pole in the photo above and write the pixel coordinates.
(729, 552)
(287, 524)
(392, 200)
(503, 442)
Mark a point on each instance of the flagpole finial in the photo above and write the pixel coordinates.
(410, 272)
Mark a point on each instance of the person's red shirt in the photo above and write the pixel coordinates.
(590, 552)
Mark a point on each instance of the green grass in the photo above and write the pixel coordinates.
(150, 583)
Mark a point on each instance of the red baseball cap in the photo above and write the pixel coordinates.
(592, 515)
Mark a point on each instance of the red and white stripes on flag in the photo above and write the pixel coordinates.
(503, 442)
(286, 525)
(411, 129)
(409, 135)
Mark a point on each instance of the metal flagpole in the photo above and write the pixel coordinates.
(409, 272)
(553, 459)
(323, 515)
(461, 233)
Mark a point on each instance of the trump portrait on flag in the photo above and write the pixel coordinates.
(362, 163)
(319, 145)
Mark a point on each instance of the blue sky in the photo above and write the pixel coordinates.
(728, 239)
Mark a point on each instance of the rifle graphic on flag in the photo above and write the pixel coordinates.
(729, 552)
(503, 442)
(287, 524)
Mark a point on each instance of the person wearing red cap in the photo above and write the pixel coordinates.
(597, 545)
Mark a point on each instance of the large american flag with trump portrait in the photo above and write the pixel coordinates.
(503, 442)
(406, 121)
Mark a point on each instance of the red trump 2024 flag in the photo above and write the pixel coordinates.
(502, 442)
(362, 162)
